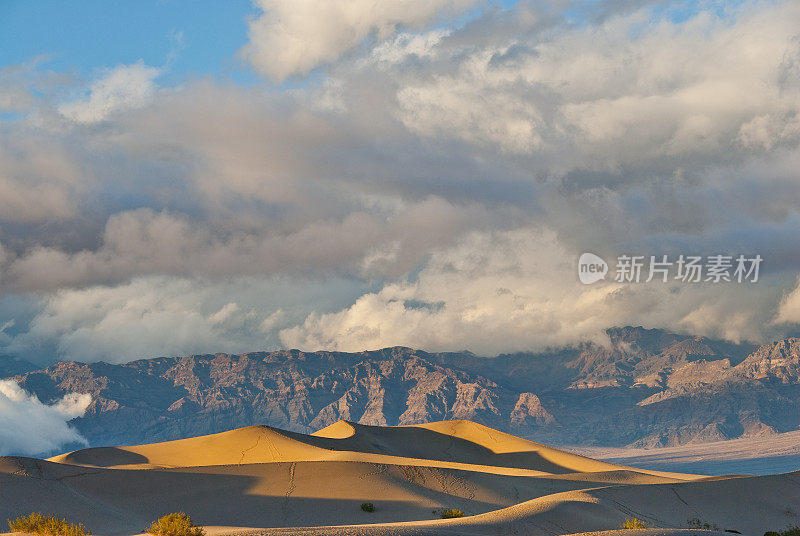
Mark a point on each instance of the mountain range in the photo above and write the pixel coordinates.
(647, 388)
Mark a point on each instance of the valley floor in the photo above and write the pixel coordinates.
(766, 455)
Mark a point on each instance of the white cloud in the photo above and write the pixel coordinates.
(158, 316)
(29, 427)
(292, 37)
(143, 242)
(177, 221)
(519, 291)
(407, 45)
(123, 87)
(145, 318)
(615, 93)
(789, 308)
(40, 180)
(475, 113)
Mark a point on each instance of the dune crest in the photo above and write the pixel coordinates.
(254, 444)
(337, 430)
(264, 480)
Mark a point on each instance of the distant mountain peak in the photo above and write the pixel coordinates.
(649, 388)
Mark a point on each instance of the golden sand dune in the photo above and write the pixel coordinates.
(459, 441)
(260, 479)
(456, 444)
(254, 444)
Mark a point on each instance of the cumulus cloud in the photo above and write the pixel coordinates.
(144, 242)
(292, 37)
(518, 291)
(120, 88)
(40, 179)
(143, 318)
(30, 427)
(157, 316)
(406, 45)
(789, 309)
(400, 200)
(20, 85)
(620, 91)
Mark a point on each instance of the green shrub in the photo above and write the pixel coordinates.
(178, 524)
(368, 507)
(633, 523)
(46, 525)
(452, 513)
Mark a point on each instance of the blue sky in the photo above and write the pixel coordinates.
(197, 37)
(188, 37)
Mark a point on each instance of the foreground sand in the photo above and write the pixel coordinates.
(260, 480)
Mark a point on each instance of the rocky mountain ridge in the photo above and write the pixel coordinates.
(646, 388)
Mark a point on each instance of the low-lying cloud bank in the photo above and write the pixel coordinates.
(516, 291)
(29, 427)
(432, 184)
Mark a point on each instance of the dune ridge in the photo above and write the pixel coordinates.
(457, 444)
(262, 480)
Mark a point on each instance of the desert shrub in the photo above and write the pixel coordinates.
(452, 513)
(177, 524)
(791, 531)
(633, 523)
(46, 525)
(368, 507)
(697, 523)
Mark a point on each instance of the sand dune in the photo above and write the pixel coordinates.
(456, 444)
(260, 479)
(254, 444)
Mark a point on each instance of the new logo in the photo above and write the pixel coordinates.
(591, 268)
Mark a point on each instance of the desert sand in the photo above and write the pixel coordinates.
(763, 455)
(261, 480)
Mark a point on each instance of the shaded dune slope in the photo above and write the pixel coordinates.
(454, 442)
(263, 480)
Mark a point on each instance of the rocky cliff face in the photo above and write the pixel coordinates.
(647, 388)
(774, 362)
